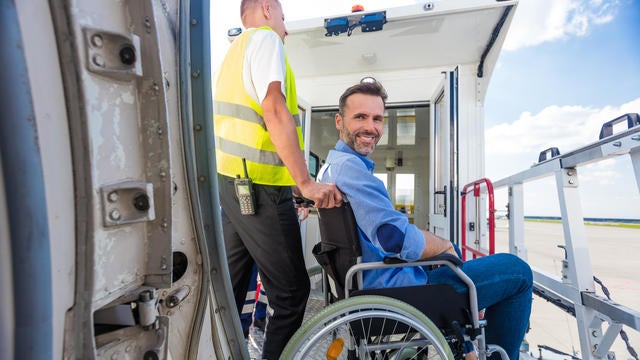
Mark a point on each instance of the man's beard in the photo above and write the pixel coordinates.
(362, 149)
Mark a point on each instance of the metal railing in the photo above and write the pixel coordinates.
(574, 291)
(476, 250)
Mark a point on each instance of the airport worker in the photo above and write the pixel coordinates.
(260, 164)
(503, 281)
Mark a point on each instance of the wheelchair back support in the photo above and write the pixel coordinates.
(339, 247)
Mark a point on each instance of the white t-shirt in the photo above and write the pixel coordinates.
(263, 64)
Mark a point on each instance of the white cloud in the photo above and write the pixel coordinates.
(602, 172)
(564, 127)
(608, 187)
(539, 21)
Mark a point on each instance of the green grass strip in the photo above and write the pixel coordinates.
(592, 223)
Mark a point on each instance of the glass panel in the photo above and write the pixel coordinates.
(302, 113)
(406, 126)
(313, 164)
(405, 193)
(384, 139)
(323, 134)
(383, 178)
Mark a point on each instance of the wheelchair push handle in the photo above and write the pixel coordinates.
(304, 202)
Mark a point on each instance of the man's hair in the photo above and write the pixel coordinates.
(245, 5)
(364, 87)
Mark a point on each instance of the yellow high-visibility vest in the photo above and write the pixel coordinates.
(239, 125)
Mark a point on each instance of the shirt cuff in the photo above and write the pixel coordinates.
(414, 244)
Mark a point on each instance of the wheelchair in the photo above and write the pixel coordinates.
(418, 322)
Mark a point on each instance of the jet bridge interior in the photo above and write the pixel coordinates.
(435, 60)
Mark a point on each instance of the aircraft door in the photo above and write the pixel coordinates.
(443, 159)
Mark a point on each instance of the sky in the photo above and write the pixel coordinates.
(567, 66)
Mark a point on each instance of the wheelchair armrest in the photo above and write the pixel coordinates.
(446, 257)
(448, 260)
(393, 260)
(451, 261)
(454, 260)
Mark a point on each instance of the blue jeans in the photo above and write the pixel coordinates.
(504, 284)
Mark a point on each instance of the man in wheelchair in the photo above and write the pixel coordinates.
(503, 281)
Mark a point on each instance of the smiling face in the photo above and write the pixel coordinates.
(361, 122)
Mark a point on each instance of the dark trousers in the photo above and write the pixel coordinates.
(272, 239)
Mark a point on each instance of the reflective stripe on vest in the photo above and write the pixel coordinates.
(244, 112)
(239, 125)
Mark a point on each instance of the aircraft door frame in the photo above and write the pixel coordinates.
(305, 121)
(309, 232)
(443, 161)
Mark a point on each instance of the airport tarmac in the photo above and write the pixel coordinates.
(614, 253)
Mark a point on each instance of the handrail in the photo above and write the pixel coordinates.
(492, 221)
(575, 289)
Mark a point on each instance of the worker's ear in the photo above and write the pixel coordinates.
(266, 9)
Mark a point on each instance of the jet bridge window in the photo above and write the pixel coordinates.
(406, 120)
(405, 189)
(384, 139)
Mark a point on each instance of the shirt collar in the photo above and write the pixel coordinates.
(342, 146)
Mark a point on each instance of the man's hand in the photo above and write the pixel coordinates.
(435, 245)
(323, 195)
(452, 251)
(303, 212)
(300, 203)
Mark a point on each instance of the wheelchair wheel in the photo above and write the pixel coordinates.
(368, 327)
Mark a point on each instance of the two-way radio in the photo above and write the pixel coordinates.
(244, 192)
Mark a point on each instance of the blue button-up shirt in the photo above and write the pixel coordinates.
(384, 231)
